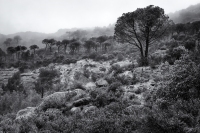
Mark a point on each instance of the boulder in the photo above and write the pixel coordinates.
(101, 83)
(75, 110)
(25, 114)
(89, 109)
(56, 100)
(90, 86)
(82, 101)
(127, 74)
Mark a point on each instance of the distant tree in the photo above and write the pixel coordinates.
(18, 50)
(45, 80)
(106, 45)
(51, 42)
(34, 47)
(17, 39)
(88, 45)
(26, 55)
(8, 41)
(23, 48)
(58, 44)
(2, 54)
(46, 42)
(101, 40)
(74, 46)
(142, 28)
(65, 42)
(11, 51)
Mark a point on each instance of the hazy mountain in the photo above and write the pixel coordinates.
(190, 14)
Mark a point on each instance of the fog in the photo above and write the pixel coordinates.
(48, 16)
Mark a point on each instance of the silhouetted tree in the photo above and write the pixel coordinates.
(34, 47)
(101, 40)
(142, 28)
(74, 46)
(58, 44)
(88, 45)
(18, 50)
(11, 51)
(51, 42)
(45, 41)
(65, 42)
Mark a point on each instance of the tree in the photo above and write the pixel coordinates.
(180, 28)
(65, 42)
(17, 39)
(8, 41)
(11, 51)
(45, 81)
(51, 42)
(88, 45)
(101, 40)
(18, 50)
(142, 28)
(58, 44)
(45, 41)
(74, 46)
(34, 47)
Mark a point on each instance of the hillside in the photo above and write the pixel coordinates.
(190, 14)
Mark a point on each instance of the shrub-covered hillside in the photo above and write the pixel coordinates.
(143, 79)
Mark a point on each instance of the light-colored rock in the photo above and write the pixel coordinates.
(56, 100)
(25, 114)
(123, 63)
(75, 110)
(90, 86)
(89, 109)
(101, 83)
(127, 74)
(82, 101)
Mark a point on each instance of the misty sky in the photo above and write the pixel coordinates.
(48, 16)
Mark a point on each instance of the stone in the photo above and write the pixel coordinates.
(56, 100)
(101, 83)
(89, 109)
(90, 86)
(82, 101)
(25, 114)
(75, 110)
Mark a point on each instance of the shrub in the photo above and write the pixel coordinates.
(142, 61)
(120, 57)
(14, 83)
(190, 45)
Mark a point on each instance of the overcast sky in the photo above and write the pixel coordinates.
(48, 16)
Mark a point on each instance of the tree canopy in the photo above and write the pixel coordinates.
(142, 27)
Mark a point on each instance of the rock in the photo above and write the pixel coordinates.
(89, 109)
(25, 114)
(123, 63)
(75, 110)
(102, 83)
(82, 101)
(56, 100)
(80, 93)
(90, 86)
(127, 74)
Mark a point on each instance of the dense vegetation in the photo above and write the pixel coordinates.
(172, 106)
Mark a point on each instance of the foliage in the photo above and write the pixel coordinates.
(14, 83)
(141, 28)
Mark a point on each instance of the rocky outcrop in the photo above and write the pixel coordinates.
(56, 100)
